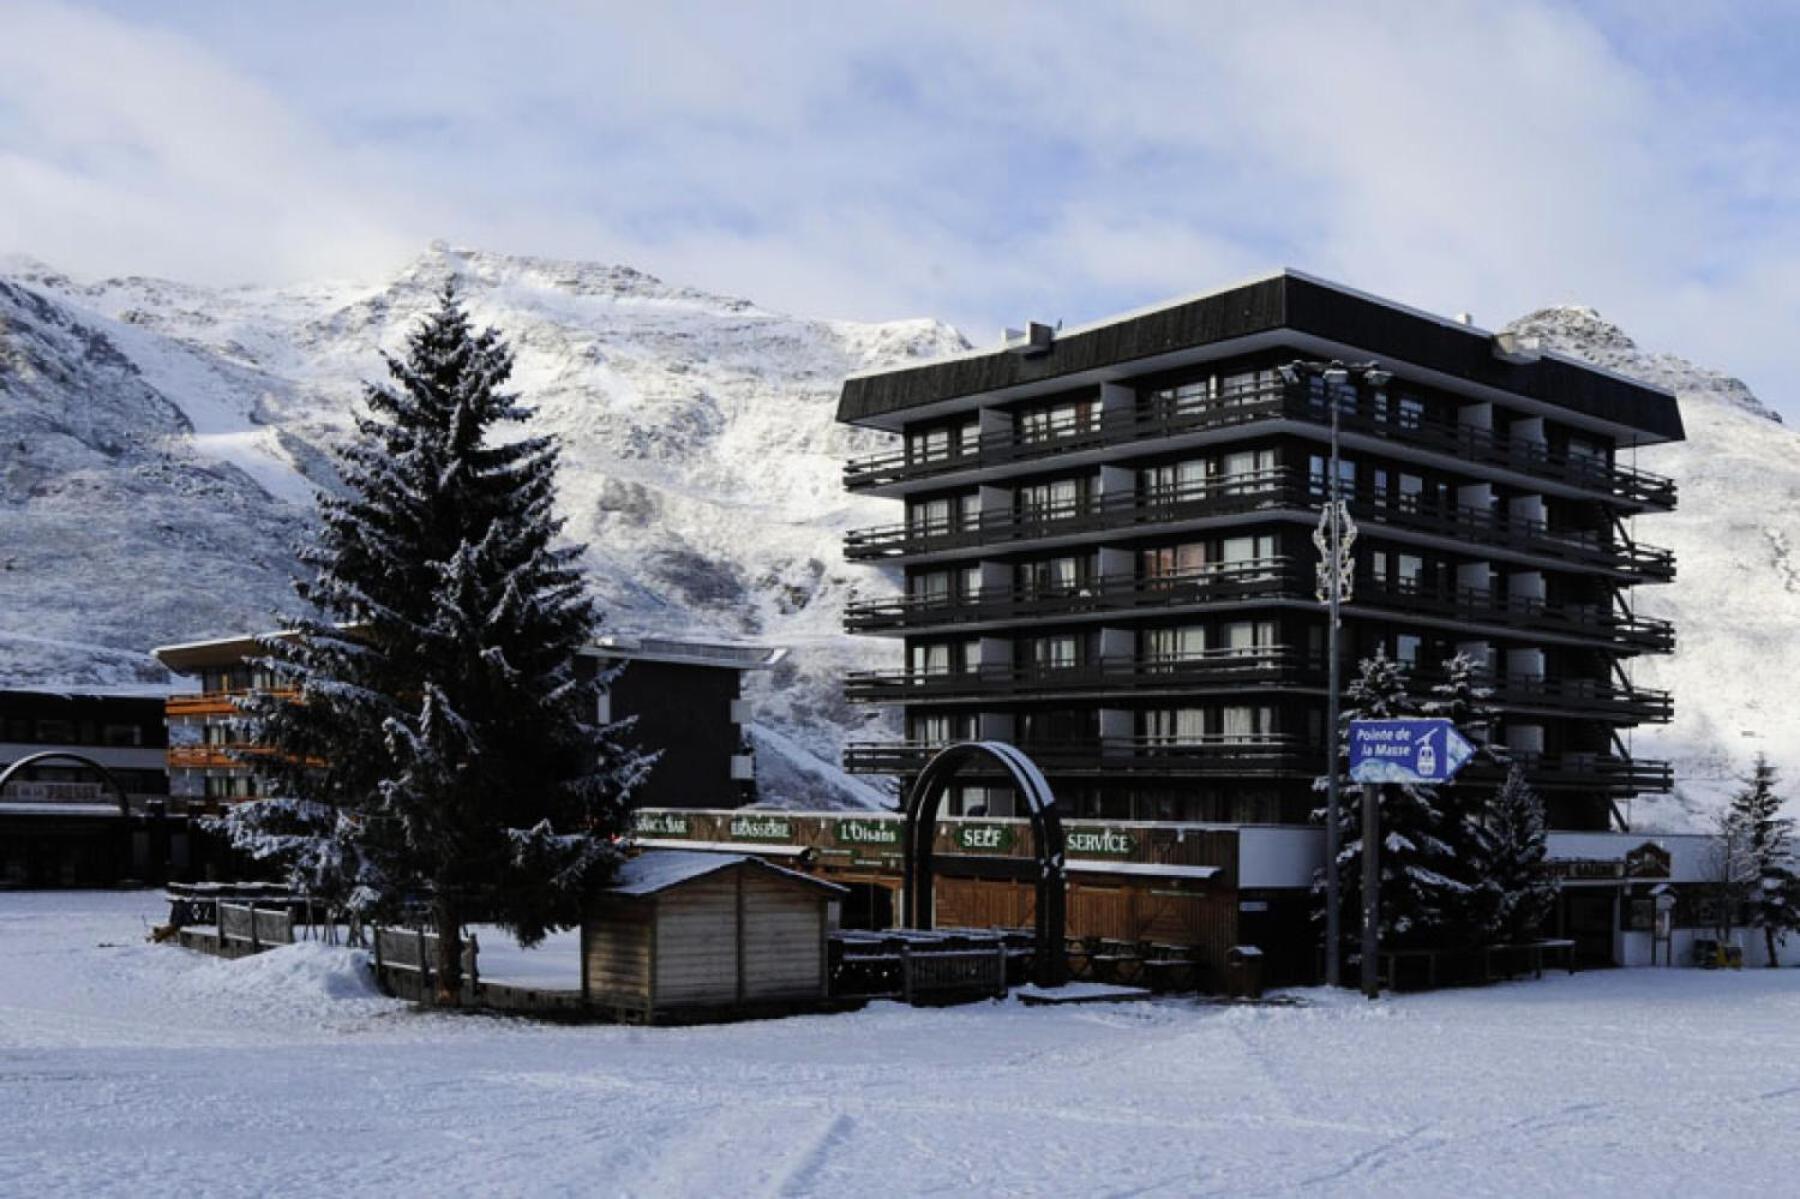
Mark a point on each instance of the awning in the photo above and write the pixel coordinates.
(738, 847)
(1143, 869)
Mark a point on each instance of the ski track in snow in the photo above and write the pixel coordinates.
(132, 1069)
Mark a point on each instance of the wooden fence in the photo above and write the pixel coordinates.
(406, 962)
(947, 974)
(244, 928)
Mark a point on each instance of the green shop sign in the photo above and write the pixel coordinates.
(761, 828)
(987, 838)
(868, 832)
(661, 824)
(1101, 842)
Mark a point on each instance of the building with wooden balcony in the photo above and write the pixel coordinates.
(1105, 550)
(682, 697)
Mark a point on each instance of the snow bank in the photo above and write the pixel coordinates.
(306, 970)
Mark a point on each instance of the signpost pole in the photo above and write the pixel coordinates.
(1371, 890)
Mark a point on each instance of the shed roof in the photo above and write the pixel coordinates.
(659, 870)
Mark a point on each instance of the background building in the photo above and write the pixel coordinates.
(63, 822)
(684, 698)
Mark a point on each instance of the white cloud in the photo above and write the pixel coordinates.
(981, 163)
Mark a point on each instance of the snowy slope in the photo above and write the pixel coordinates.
(701, 462)
(1736, 598)
(133, 1069)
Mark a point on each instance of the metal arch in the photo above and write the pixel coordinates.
(6, 775)
(922, 804)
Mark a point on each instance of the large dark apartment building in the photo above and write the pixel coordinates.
(1106, 553)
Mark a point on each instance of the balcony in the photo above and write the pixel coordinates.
(1258, 756)
(1233, 670)
(1264, 756)
(1236, 672)
(1280, 494)
(1264, 581)
(1272, 406)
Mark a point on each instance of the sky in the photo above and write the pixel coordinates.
(983, 163)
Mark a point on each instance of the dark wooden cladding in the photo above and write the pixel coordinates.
(1390, 333)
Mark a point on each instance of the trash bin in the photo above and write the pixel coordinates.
(1244, 972)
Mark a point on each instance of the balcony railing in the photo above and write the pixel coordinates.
(1271, 491)
(1259, 580)
(1152, 419)
(1270, 668)
(1265, 756)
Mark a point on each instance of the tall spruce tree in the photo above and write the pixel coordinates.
(1513, 869)
(1422, 894)
(439, 742)
(1772, 890)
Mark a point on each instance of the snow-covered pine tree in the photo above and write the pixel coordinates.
(1422, 895)
(1514, 872)
(1772, 893)
(1461, 697)
(439, 743)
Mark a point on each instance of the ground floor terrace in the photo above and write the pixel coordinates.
(1147, 891)
(139, 1069)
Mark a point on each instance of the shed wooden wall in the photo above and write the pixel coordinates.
(616, 949)
(696, 942)
(784, 938)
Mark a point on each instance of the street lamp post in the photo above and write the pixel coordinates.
(1334, 538)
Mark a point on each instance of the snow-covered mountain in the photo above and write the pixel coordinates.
(162, 442)
(1736, 598)
(159, 444)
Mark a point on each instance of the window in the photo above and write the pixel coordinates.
(969, 579)
(1173, 561)
(1406, 649)
(1055, 653)
(1411, 412)
(1174, 645)
(1065, 419)
(943, 442)
(1318, 467)
(927, 517)
(1173, 480)
(1259, 547)
(122, 734)
(1047, 501)
(1242, 467)
(1246, 722)
(1173, 726)
(941, 728)
(1248, 636)
(1053, 576)
(932, 659)
(1059, 726)
(933, 585)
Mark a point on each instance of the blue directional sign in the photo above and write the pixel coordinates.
(1407, 751)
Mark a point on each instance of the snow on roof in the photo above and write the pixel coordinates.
(659, 869)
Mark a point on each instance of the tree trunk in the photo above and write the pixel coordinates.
(446, 913)
(1769, 937)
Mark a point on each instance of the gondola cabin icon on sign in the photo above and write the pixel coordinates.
(1407, 751)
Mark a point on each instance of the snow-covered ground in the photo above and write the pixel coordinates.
(128, 1068)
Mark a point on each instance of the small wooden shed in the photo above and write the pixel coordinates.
(691, 935)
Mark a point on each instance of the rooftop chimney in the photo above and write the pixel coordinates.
(1032, 340)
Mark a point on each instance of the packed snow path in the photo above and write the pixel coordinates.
(127, 1068)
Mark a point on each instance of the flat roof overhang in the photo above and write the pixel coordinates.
(1285, 310)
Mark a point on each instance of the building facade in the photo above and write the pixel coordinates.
(85, 798)
(682, 697)
(1106, 551)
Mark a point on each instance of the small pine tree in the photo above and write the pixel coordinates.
(438, 743)
(1772, 891)
(1422, 895)
(1513, 867)
(1463, 699)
